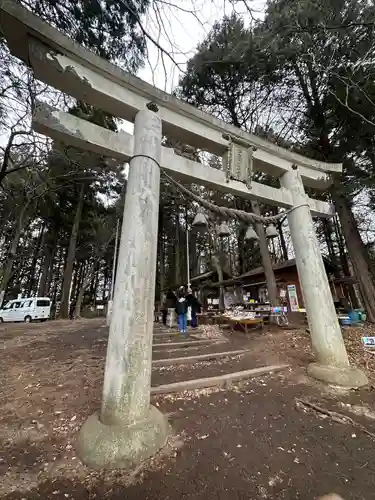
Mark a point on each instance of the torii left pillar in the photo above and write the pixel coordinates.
(128, 429)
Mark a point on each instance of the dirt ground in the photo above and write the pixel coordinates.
(256, 440)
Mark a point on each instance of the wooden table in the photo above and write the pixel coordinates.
(206, 319)
(245, 323)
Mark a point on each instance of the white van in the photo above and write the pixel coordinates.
(28, 309)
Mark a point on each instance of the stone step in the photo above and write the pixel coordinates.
(189, 360)
(194, 350)
(168, 337)
(167, 374)
(215, 381)
(166, 334)
(173, 338)
(184, 342)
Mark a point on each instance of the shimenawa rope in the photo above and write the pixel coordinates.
(224, 212)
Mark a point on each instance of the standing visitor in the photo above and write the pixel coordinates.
(195, 306)
(181, 311)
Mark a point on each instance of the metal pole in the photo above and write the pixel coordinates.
(114, 260)
(187, 255)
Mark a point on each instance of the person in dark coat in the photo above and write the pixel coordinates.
(195, 305)
(171, 299)
(181, 311)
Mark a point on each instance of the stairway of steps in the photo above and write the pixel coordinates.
(181, 363)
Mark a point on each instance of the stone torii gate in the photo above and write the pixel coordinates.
(128, 429)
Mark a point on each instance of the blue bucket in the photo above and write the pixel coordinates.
(354, 316)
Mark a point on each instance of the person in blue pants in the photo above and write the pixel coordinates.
(181, 311)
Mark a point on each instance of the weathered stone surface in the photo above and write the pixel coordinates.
(117, 446)
(127, 430)
(325, 330)
(218, 381)
(189, 360)
(326, 336)
(126, 392)
(63, 127)
(349, 377)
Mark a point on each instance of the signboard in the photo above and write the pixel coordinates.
(293, 298)
(282, 293)
(368, 341)
(228, 299)
(238, 162)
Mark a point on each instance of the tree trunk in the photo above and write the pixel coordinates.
(51, 278)
(328, 232)
(273, 254)
(56, 273)
(81, 293)
(357, 253)
(284, 249)
(46, 267)
(105, 285)
(32, 280)
(347, 271)
(77, 310)
(93, 283)
(7, 270)
(96, 283)
(193, 254)
(266, 259)
(74, 289)
(161, 265)
(87, 274)
(68, 271)
(241, 250)
(220, 276)
(80, 278)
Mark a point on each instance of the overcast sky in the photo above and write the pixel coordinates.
(179, 27)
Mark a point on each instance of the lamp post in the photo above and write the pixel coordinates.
(187, 255)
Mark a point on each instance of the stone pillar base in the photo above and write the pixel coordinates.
(119, 447)
(349, 377)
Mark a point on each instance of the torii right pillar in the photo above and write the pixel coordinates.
(332, 363)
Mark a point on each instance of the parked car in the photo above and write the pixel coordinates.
(27, 310)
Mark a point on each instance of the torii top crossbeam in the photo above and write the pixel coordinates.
(63, 64)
